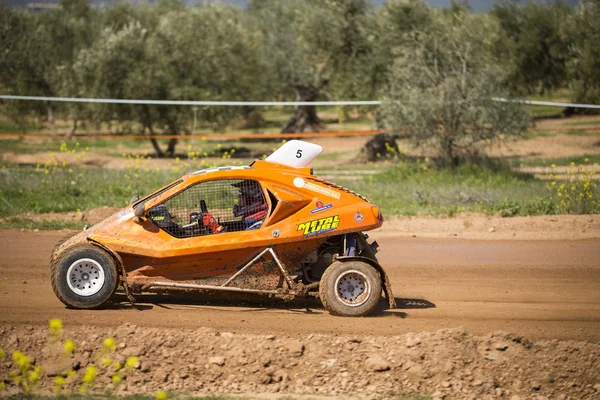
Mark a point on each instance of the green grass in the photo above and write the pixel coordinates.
(399, 189)
(408, 189)
(585, 123)
(123, 145)
(333, 156)
(27, 190)
(559, 96)
(545, 111)
(564, 161)
(33, 145)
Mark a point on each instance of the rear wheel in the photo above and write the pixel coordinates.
(350, 288)
(84, 277)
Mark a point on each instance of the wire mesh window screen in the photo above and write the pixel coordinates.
(226, 205)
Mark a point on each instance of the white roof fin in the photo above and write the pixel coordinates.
(295, 153)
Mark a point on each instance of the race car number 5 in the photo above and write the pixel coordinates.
(299, 154)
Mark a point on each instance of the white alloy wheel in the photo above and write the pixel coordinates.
(85, 277)
(352, 288)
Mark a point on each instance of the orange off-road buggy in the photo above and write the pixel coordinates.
(269, 228)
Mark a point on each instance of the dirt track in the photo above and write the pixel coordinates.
(540, 289)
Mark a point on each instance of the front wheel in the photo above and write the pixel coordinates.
(84, 277)
(350, 288)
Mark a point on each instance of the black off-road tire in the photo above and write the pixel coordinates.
(82, 259)
(61, 242)
(332, 296)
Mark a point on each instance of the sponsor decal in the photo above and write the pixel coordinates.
(290, 191)
(358, 217)
(322, 190)
(321, 207)
(158, 218)
(321, 225)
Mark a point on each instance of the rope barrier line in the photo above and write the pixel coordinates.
(545, 103)
(195, 103)
(209, 136)
(266, 103)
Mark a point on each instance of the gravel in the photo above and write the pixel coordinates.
(446, 364)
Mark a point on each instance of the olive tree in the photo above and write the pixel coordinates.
(21, 62)
(203, 53)
(441, 89)
(315, 49)
(584, 64)
(533, 46)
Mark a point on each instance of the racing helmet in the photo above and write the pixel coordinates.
(250, 198)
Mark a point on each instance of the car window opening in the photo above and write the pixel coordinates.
(213, 207)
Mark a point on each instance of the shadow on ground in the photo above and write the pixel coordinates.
(146, 302)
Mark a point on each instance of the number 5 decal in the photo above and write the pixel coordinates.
(299, 154)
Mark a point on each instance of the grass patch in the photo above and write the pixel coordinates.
(31, 145)
(399, 189)
(418, 189)
(564, 161)
(584, 123)
(546, 111)
(333, 156)
(28, 190)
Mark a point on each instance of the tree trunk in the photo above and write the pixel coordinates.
(157, 149)
(173, 130)
(73, 129)
(171, 147)
(304, 118)
(147, 121)
(252, 117)
(448, 157)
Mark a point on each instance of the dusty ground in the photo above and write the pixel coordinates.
(453, 294)
(483, 227)
(449, 363)
(543, 289)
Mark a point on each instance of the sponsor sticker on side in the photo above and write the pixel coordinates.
(321, 207)
(321, 225)
(123, 213)
(322, 190)
(290, 191)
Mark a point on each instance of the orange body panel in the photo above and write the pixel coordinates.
(303, 211)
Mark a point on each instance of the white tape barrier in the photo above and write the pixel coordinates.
(196, 103)
(267, 103)
(545, 103)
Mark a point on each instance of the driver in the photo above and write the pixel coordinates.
(251, 204)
